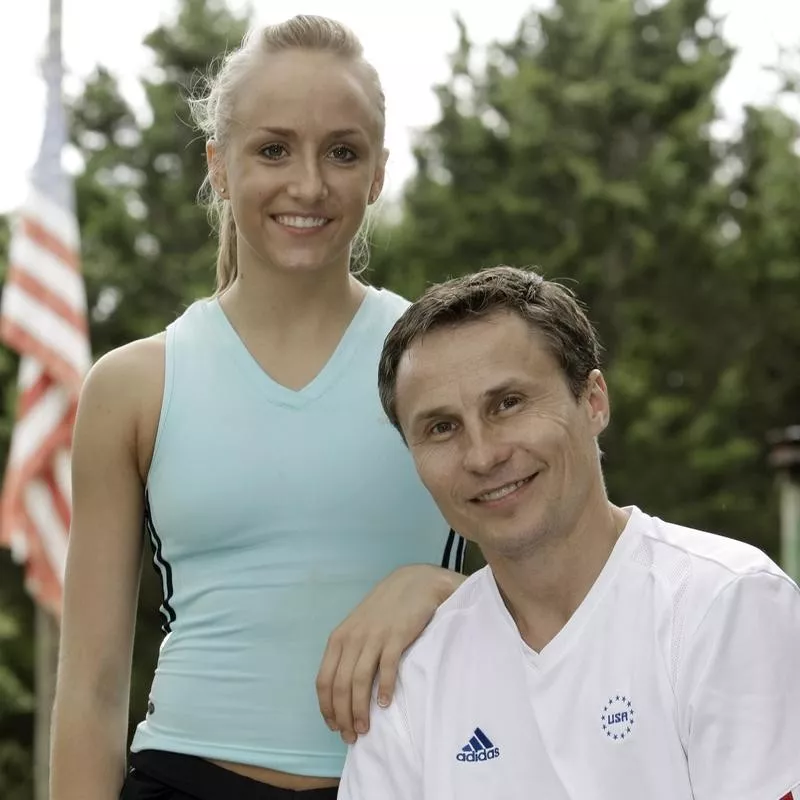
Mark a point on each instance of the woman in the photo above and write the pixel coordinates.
(249, 439)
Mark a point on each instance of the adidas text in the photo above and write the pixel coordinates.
(482, 755)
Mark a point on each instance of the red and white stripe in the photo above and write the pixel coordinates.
(793, 795)
(43, 318)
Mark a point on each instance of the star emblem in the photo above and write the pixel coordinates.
(618, 720)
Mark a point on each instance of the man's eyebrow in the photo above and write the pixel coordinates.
(502, 388)
(427, 414)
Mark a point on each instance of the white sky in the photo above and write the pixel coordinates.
(408, 42)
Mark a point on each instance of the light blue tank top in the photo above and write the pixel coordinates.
(272, 513)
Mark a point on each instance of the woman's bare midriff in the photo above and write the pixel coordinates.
(283, 780)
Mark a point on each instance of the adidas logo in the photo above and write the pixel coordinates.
(478, 748)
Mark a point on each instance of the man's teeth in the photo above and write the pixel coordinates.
(302, 222)
(496, 494)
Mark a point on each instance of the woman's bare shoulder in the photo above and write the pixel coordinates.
(125, 388)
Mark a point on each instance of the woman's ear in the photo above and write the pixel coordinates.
(380, 175)
(217, 173)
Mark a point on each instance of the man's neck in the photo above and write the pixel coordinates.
(543, 590)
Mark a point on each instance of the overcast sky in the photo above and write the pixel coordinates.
(408, 42)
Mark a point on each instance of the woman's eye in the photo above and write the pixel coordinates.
(343, 153)
(273, 151)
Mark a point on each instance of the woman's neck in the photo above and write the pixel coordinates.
(282, 304)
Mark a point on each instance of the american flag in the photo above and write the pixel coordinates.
(795, 795)
(43, 318)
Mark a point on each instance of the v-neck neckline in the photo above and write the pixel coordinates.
(564, 640)
(322, 381)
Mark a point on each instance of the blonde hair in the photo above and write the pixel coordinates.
(213, 111)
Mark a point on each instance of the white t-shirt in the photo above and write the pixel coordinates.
(677, 678)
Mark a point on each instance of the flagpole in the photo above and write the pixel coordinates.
(46, 664)
(47, 630)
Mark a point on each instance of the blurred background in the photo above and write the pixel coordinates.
(646, 152)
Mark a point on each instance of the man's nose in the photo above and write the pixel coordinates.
(485, 450)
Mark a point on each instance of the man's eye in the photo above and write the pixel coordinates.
(441, 428)
(510, 402)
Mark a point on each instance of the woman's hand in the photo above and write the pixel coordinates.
(372, 640)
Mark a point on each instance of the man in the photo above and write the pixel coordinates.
(602, 653)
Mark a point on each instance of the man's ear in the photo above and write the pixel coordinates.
(598, 402)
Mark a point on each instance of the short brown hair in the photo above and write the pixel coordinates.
(550, 308)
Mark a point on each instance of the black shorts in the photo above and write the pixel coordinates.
(158, 775)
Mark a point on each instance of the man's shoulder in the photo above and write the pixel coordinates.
(697, 567)
(709, 554)
(468, 613)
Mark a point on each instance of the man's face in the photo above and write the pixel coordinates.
(507, 452)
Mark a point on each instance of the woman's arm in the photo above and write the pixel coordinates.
(372, 640)
(90, 715)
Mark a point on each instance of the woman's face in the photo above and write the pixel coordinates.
(303, 159)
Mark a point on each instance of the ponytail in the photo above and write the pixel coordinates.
(226, 254)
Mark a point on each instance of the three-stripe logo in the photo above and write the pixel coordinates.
(479, 748)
